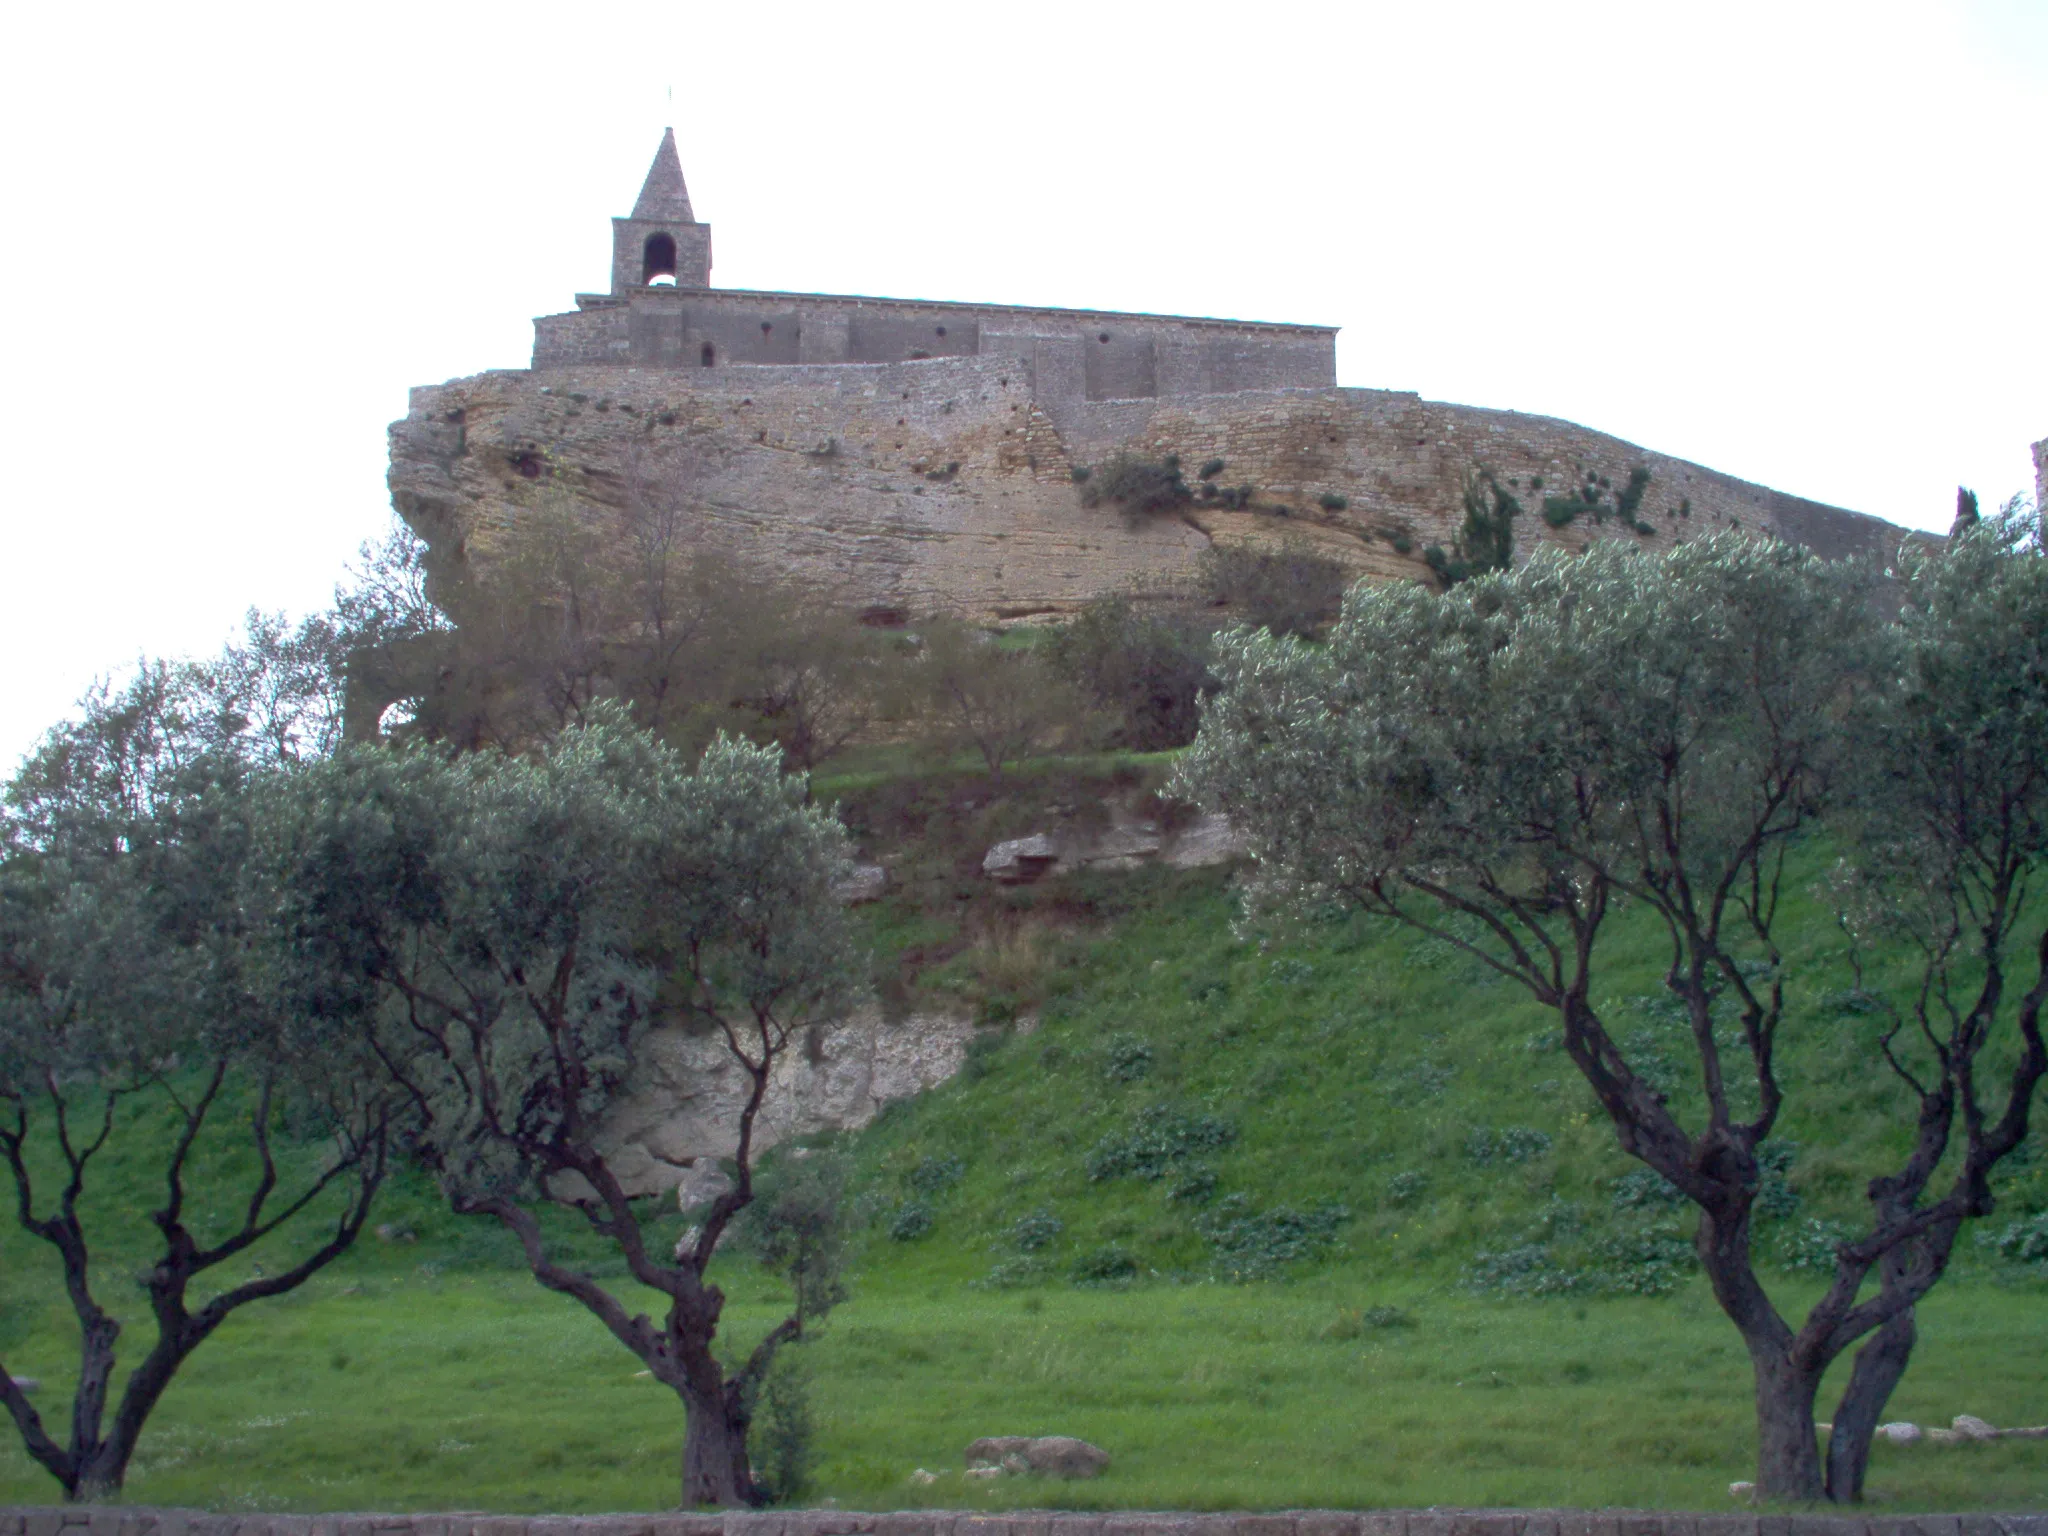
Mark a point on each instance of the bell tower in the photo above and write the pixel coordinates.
(661, 242)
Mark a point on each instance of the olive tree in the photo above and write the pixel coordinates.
(1948, 844)
(506, 932)
(139, 1019)
(1507, 763)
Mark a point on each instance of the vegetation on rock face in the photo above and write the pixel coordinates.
(1291, 590)
(1509, 764)
(1138, 487)
(1486, 539)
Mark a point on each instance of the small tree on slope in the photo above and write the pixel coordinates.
(1505, 763)
(507, 932)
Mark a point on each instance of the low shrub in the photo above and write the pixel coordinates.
(1811, 1245)
(1290, 591)
(1506, 1144)
(912, 1221)
(1036, 1230)
(1405, 1187)
(934, 1175)
(1138, 487)
(1126, 1059)
(1248, 1244)
(1157, 1139)
(2024, 1242)
(1105, 1266)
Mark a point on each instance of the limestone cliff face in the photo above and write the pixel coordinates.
(685, 1107)
(944, 484)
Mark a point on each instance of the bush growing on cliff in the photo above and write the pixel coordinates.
(1486, 540)
(1291, 590)
(1138, 487)
(1002, 704)
(1145, 668)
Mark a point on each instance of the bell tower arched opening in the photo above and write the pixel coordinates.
(658, 258)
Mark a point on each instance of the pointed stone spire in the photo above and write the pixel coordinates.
(663, 197)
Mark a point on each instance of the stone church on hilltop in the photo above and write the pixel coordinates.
(913, 455)
(662, 312)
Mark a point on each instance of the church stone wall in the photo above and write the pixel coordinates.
(1078, 355)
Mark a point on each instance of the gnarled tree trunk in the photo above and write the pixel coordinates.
(715, 1469)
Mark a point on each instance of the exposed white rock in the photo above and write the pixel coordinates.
(702, 1182)
(1052, 1455)
(1969, 1427)
(1743, 1492)
(864, 882)
(1021, 859)
(1210, 839)
(1129, 841)
(684, 1108)
(1901, 1433)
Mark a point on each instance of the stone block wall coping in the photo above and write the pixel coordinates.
(116, 1520)
(755, 296)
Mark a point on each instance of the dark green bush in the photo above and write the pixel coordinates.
(1156, 1139)
(1250, 1244)
(1126, 1059)
(1106, 1266)
(1291, 591)
(1146, 668)
(912, 1221)
(1035, 1230)
(1138, 487)
(1507, 1144)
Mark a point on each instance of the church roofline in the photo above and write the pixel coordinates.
(587, 301)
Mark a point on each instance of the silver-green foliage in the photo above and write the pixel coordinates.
(1505, 764)
(509, 931)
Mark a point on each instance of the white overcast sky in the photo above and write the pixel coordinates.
(1799, 242)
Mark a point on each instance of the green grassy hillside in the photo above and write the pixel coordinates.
(1318, 1218)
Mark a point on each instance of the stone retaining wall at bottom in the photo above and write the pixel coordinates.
(124, 1521)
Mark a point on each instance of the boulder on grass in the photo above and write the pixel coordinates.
(1970, 1427)
(1901, 1433)
(1048, 1455)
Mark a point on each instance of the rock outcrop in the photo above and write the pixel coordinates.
(943, 484)
(683, 1113)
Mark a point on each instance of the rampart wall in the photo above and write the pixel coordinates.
(132, 1521)
(1076, 355)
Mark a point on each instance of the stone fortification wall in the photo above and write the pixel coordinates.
(1077, 354)
(80, 1520)
(945, 484)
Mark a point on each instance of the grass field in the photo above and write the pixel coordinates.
(1459, 1291)
(475, 1391)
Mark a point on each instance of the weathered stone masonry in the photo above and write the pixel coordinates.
(918, 455)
